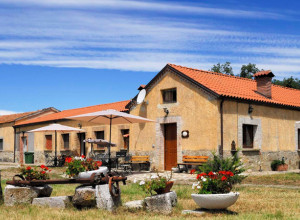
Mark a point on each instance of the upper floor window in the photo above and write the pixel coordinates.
(99, 135)
(169, 95)
(248, 136)
(66, 139)
(1, 144)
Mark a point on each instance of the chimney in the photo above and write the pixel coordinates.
(264, 82)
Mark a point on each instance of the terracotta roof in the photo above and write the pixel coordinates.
(13, 117)
(240, 88)
(119, 106)
(141, 87)
(264, 73)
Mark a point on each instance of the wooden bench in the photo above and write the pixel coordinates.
(191, 160)
(140, 160)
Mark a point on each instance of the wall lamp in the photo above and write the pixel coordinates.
(250, 109)
(79, 125)
(166, 110)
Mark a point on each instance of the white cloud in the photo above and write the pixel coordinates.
(171, 7)
(7, 112)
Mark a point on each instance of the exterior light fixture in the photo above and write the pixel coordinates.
(166, 110)
(250, 109)
(185, 134)
(79, 125)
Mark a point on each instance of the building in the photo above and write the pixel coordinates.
(195, 112)
(43, 143)
(12, 140)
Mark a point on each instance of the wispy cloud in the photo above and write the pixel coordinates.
(171, 8)
(93, 34)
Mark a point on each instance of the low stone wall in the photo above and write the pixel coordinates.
(256, 160)
(7, 156)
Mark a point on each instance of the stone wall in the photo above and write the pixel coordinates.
(6, 156)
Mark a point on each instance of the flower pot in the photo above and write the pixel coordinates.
(88, 174)
(215, 201)
(167, 189)
(282, 167)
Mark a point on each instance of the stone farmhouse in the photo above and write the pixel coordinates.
(195, 112)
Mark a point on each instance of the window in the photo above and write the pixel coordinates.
(298, 139)
(248, 136)
(48, 142)
(169, 96)
(1, 144)
(99, 135)
(125, 134)
(66, 138)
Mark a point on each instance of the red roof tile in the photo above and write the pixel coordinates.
(241, 88)
(264, 73)
(13, 117)
(119, 106)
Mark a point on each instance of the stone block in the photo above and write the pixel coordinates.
(61, 202)
(137, 204)
(104, 200)
(161, 203)
(14, 195)
(43, 191)
(85, 196)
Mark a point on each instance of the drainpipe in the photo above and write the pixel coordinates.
(222, 128)
(15, 142)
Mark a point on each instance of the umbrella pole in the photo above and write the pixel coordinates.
(109, 145)
(55, 153)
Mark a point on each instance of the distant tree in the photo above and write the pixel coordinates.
(222, 68)
(288, 82)
(247, 71)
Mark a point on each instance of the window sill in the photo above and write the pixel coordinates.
(250, 150)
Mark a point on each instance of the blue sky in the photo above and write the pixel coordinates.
(75, 53)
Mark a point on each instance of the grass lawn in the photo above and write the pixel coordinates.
(254, 203)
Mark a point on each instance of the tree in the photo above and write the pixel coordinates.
(288, 82)
(222, 68)
(247, 71)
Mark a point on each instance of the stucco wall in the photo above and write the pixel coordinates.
(195, 111)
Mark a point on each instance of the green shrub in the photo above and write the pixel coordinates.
(276, 163)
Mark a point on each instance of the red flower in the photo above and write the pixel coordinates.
(82, 156)
(43, 172)
(68, 160)
(229, 173)
(43, 166)
(28, 168)
(46, 168)
(99, 163)
(224, 178)
(198, 176)
(203, 174)
(193, 171)
(211, 173)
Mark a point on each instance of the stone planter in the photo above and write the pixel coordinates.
(167, 189)
(88, 174)
(215, 201)
(282, 167)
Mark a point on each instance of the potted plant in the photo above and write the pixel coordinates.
(81, 167)
(157, 183)
(279, 165)
(30, 173)
(215, 181)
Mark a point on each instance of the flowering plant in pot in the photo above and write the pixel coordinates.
(30, 173)
(215, 181)
(279, 165)
(76, 165)
(157, 183)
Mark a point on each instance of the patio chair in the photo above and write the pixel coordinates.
(126, 166)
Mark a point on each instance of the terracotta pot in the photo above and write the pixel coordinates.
(282, 167)
(167, 189)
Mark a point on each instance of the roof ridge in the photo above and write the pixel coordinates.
(284, 87)
(94, 105)
(211, 72)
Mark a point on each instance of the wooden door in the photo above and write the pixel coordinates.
(48, 142)
(170, 146)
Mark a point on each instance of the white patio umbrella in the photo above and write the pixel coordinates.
(110, 117)
(56, 128)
